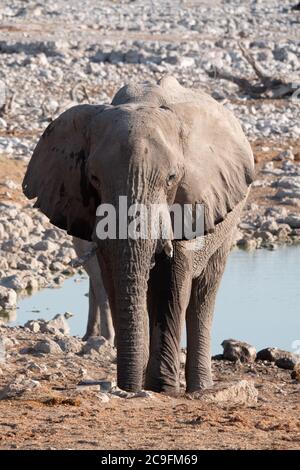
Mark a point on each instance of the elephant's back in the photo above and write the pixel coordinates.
(166, 92)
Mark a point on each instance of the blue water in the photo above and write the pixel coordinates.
(258, 300)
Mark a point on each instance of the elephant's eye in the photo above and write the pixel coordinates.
(95, 180)
(171, 178)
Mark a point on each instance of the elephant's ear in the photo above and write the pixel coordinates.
(56, 174)
(219, 164)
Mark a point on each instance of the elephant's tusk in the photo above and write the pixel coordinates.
(168, 248)
(75, 263)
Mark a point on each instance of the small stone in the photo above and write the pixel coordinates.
(45, 245)
(10, 184)
(283, 359)
(103, 397)
(9, 343)
(186, 62)
(16, 282)
(18, 387)
(58, 324)
(8, 298)
(33, 326)
(99, 57)
(50, 106)
(238, 351)
(70, 344)
(56, 266)
(295, 375)
(39, 368)
(3, 124)
(47, 346)
(117, 392)
(268, 167)
(106, 385)
(241, 392)
(100, 345)
(85, 387)
(285, 155)
(288, 363)
(247, 244)
(293, 220)
(283, 231)
(182, 357)
(265, 235)
(68, 315)
(2, 351)
(270, 226)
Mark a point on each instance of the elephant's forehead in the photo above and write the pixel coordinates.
(136, 122)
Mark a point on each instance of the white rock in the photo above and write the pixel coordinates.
(11, 184)
(47, 346)
(285, 155)
(293, 220)
(33, 326)
(186, 62)
(8, 298)
(241, 392)
(39, 368)
(45, 245)
(18, 387)
(70, 344)
(99, 345)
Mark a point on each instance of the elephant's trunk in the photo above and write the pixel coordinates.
(130, 261)
(130, 279)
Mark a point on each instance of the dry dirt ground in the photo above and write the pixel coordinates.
(60, 414)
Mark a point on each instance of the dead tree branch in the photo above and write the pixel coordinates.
(266, 87)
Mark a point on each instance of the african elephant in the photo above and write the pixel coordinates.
(155, 143)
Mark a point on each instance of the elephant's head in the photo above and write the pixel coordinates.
(154, 144)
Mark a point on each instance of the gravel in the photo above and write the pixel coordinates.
(100, 46)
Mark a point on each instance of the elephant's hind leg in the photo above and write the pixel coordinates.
(93, 324)
(199, 319)
(99, 316)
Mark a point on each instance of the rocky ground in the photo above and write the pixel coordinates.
(57, 54)
(57, 392)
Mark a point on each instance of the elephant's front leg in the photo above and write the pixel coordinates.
(168, 297)
(199, 319)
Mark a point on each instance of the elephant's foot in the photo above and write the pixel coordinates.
(91, 332)
(195, 390)
(159, 386)
(160, 378)
(169, 391)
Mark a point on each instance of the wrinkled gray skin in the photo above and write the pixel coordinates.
(99, 316)
(155, 144)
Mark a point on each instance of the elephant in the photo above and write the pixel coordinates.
(156, 143)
